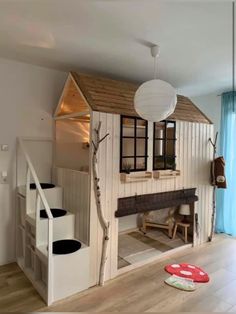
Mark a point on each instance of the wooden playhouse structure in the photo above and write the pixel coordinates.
(123, 179)
(103, 100)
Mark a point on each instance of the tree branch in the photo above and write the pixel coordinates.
(103, 138)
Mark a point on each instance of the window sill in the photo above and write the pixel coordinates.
(165, 174)
(135, 177)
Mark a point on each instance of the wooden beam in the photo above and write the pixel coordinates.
(72, 115)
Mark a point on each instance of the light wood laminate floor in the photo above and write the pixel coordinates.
(140, 290)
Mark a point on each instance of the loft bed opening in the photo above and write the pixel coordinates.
(72, 127)
(152, 225)
(73, 143)
(136, 246)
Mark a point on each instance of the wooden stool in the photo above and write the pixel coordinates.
(185, 230)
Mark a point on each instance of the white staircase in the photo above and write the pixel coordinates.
(55, 275)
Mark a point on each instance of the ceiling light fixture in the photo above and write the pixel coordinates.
(155, 100)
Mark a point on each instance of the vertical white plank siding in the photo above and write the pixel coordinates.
(193, 160)
(76, 198)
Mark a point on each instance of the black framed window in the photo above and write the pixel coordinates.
(164, 144)
(133, 144)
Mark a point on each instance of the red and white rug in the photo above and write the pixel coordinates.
(188, 271)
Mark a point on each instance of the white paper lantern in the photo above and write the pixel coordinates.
(155, 100)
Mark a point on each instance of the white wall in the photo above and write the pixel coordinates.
(29, 95)
(210, 105)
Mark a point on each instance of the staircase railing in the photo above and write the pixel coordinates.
(40, 198)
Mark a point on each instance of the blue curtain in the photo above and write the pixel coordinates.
(226, 198)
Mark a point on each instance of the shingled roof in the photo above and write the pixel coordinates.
(113, 96)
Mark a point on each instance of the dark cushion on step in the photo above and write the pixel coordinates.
(67, 246)
(56, 212)
(43, 186)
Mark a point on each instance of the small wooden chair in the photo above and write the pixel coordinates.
(146, 222)
(185, 227)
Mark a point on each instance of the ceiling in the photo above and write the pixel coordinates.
(112, 37)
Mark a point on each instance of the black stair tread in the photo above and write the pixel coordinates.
(43, 186)
(56, 212)
(67, 246)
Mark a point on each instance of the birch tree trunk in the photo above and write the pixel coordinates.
(104, 223)
(213, 217)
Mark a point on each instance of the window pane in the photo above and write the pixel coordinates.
(170, 148)
(128, 126)
(128, 147)
(133, 144)
(140, 147)
(127, 164)
(141, 128)
(159, 129)
(140, 163)
(170, 130)
(159, 163)
(159, 148)
(170, 163)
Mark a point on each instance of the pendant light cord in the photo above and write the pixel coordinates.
(155, 68)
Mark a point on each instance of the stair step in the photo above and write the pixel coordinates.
(53, 196)
(65, 246)
(44, 186)
(30, 218)
(42, 250)
(56, 212)
(63, 227)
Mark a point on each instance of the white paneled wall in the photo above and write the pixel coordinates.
(193, 152)
(76, 189)
(41, 162)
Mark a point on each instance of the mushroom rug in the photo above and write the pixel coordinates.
(181, 283)
(188, 271)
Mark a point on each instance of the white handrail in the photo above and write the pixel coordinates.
(40, 195)
(36, 180)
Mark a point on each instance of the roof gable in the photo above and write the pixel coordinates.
(113, 96)
(72, 101)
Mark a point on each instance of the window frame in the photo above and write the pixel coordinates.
(164, 139)
(135, 137)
